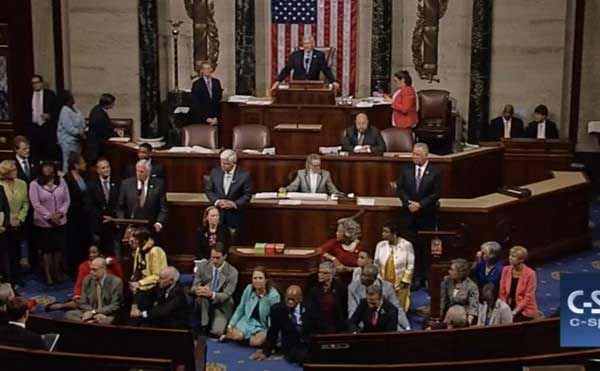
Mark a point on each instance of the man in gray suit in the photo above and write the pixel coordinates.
(357, 290)
(101, 296)
(143, 197)
(214, 283)
(312, 179)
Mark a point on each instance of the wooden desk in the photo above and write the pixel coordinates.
(363, 175)
(537, 222)
(334, 119)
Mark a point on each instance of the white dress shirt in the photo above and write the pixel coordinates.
(404, 258)
(228, 179)
(541, 130)
(20, 324)
(314, 181)
(37, 107)
(507, 127)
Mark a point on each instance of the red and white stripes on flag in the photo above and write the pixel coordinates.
(337, 23)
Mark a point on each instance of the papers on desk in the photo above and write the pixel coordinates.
(181, 109)
(193, 149)
(365, 201)
(265, 196)
(120, 139)
(307, 196)
(239, 98)
(594, 127)
(289, 202)
(335, 150)
(259, 102)
(364, 104)
(265, 151)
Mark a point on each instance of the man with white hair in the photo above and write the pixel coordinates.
(230, 189)
(101, 296)
(143, 197)
(307, 64)
(169, 307)
(419, 186)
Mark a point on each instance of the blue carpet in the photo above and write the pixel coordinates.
(236, 357)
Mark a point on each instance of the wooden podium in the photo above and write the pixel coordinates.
(312, 92)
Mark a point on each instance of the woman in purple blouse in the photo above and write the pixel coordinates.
(50, 200)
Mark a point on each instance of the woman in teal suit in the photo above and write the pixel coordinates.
(251, 318)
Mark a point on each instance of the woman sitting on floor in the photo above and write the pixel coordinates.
(518, 285)
(250, 320)
(488, 266)
(344, 248)
(492, 310)
(459, 289)
(113, 267)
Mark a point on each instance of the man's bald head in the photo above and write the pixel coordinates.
(98, 268)
(293, 296)
(361, 122)
(508, 111)
(368, 274)
(308, 43)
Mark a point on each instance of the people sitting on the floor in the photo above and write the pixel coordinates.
(169, 308)
(364, 258)
(357, 291)
(344, 248)
(329, 296)
(492, 310)
(148, 261)
(112, 266)
(101, 296)
(292, 321)
(456, 317)
(214, 283)
(374, 314)
(518, 285)
(458, 289)
(6, 295)
(250, 320)
(487, 267)
(14, 332)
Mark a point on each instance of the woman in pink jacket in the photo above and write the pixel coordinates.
(518, 285)
(404, 102)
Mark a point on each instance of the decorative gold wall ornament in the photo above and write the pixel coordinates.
(425, 37)
(206, 33)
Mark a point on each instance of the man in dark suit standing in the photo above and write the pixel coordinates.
(170, 307)
(14, 333)
(362, 137)
(374, 314)
(307, 64)
(26, 169)
(100, 128)
(293, 320)
(143, 197)
(541, 127)
(206, 97)
(104, 195)
(157, 170)
(506, 126)
(418, 187)
(230, 189)
(41, 130)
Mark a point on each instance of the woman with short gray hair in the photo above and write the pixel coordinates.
(488, 266)
(343, 250)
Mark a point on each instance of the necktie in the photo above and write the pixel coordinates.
(26, 169)
(142, 195)
(215, 280)
(374, 318)
(361, 139)
(418, 177)
(227, 182)
(98, 296)
(297, 325)
(208, 86)
(306, 62)
(105, 189)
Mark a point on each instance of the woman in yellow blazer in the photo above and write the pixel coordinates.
(148, 261)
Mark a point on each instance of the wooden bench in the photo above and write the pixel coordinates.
(129, 341)
(13, 359)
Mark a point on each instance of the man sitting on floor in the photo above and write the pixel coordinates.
(374, 314)
(101, 296)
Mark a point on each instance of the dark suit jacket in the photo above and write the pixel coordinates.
(223, 236)
(372, 138)
(296, 62)
(79, 199)
(169, 312)
(496, 129)
(51, 104)
(100, 130)
(551, 130)
(98, 207)
(240, 192)
(32, 170)
(203, 105)
(157, 170)
(387, 320)
(340, 293)
(16, 336)
(282, 324)
(155, 207)
(428, 195)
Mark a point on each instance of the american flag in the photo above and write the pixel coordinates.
(333, 23)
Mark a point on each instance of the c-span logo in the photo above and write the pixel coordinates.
(580, 310)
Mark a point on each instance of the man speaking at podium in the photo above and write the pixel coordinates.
(307, 64)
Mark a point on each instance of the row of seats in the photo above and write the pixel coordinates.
(256, 137)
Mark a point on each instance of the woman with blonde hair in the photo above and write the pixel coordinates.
(518, 285)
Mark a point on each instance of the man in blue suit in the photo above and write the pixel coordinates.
(306, 64)
(230, 189)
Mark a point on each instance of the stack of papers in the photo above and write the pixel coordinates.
(239, 98)
(307, 196)
(259, 102)
(365, 201)
(193, 149)
(181, 109)
(265, 195)
(330, 150)
(120, 139)
(593, 127)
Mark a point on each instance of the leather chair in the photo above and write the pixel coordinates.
(252, 136)
(435, 117)
(199, 135)
(397, 140)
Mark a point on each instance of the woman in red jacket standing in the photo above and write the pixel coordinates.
(404, 102)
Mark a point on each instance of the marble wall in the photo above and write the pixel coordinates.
(103, 55)
(43, 41)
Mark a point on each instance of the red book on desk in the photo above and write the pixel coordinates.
(270, 249)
